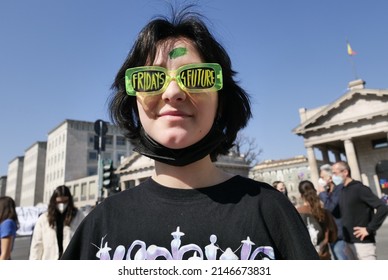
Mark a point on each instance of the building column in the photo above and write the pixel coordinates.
(313, 165)
(325, 154)
(352, 159)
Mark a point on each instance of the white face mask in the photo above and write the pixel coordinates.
(322, 182)
(61, 207)
(337, 180)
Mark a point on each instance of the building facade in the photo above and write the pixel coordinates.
(137, 168)
(14, 179)
(33, 174)
(353, 128)
(85, 191)
(68, 155)
(71, 154)
(290, 171)
(3, 185)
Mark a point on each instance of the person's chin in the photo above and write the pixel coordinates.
(176, 143)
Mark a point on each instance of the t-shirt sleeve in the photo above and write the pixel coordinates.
(8, 228)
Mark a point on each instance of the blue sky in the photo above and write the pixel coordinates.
(59, 58)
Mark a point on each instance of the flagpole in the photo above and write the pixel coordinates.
(351, 53)
(353, 67)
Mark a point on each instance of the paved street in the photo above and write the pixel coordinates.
(21, 248)
(22, 245)
(382, 241)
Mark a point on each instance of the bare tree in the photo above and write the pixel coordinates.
(246, 147)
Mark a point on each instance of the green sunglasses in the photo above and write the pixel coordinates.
(193, 78)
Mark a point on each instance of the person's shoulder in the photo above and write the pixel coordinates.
(359, 186)
(250, 183)
(253, 187)
(125, 196)
(8, 227)
(43, 217)
(356, 184)
(8, 223)
(303, 209)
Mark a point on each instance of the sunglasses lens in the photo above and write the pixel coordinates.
(198, 78)
(148, 80)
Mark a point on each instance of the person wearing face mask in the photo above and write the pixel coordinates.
(329, 194)
(362, 213)
(55, 228)
(177, 100)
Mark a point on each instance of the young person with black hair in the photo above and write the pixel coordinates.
(176, 98)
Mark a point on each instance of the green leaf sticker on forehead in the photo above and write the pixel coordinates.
(177, 52)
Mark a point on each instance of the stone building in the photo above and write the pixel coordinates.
(33, 174)
(71, 154)
(67, 156)
(353, 128)
(3, 185)
(291, 171)
(14, 179)
(136, 168)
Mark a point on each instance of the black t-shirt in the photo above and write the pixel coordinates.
(60, 218)
(237, 219)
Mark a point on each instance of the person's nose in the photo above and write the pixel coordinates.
(173, 93)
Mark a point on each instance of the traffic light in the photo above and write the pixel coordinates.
(101, 128)
(109, 179)
(100, 147)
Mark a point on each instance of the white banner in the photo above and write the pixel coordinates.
(27, 217)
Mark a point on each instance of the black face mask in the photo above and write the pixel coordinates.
(179, 157)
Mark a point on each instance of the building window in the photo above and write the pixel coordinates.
(119, 155)
(92, 171)
(83, 191)
(380, 143)
(93, 190)
(109, 139)
(92, 156)
(120, 140)
(107, 156)
(76, 193)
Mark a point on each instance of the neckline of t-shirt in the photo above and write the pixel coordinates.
(159, 191)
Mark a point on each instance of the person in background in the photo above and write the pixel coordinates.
(362, 212)
(280, 186)
(54, 229)
(8, 226)
(329, 194)
(319, 221)
(177, 101)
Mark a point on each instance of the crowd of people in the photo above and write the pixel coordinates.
(342, 215)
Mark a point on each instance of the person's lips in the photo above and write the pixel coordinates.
(174, 113)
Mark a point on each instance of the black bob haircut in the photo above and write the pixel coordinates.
(233, 111)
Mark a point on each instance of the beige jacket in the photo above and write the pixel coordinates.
(44, 244)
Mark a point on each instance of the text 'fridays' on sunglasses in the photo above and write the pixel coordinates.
(193, 78)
